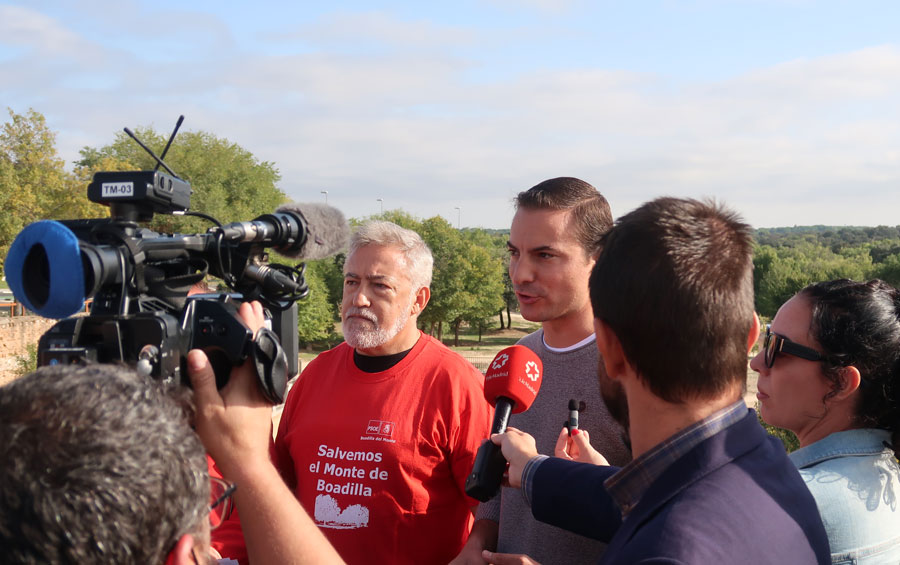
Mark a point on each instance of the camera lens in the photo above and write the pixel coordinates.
(38, 268)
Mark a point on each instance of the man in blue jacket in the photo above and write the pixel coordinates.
(672, 295)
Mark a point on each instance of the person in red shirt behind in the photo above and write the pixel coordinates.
(378, 434)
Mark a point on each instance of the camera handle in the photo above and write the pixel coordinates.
(228, 342)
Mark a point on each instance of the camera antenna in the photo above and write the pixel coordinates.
(169, 143)
(150, 151)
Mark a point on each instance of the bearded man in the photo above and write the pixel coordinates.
(378, 434)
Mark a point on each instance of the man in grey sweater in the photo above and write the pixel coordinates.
(553, 245)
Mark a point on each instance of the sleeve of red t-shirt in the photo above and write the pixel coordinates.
(228, 538)
(471, 426)
(279, 452)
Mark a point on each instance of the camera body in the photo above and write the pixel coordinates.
(155, 342)
(145, 311)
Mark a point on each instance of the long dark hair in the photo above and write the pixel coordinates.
(858, 323)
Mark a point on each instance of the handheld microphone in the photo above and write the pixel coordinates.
(298, 231)
(511, 384)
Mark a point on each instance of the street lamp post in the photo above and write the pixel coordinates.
(325, 192)
(457, 216)
(381, 201)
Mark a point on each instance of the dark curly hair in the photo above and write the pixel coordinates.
(858, 323)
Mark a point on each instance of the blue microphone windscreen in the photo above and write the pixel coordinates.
(65, 295)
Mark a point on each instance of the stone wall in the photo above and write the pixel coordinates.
(16, 334)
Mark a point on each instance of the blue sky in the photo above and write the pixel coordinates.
(787, 111)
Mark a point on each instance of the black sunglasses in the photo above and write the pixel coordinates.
(775, 344)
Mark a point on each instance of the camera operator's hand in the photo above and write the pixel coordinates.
(235, 423)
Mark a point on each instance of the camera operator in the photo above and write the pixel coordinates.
(101, 465)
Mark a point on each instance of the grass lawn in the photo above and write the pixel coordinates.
(479, 353)
(493, 339)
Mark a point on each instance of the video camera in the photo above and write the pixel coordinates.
(144, 312)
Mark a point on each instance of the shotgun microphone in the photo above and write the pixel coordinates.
(298, 231)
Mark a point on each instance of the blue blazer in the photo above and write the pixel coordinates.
(735, 498)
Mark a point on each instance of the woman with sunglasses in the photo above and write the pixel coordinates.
(829, 371)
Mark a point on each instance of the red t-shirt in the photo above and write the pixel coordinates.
(227, 539)
(379, 460)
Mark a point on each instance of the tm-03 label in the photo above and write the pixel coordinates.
(116, 189)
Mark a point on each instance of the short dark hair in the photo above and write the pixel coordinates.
(858, 323)
(674, 282)
(99, 465)
(591, 216)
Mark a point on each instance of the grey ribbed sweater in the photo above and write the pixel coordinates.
(568, 375)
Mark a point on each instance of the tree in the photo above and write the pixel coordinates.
(495, 242)
(10, 223)
(889, 270)
(448, 302)
(33, 182)
(484, 282)
(332, 273)
(487, 257)
(782, 272)
(509, 296)
(228, 182)
(468, 278)
(315, 316)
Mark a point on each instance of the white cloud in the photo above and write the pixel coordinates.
(806, 141)
(544, 6)
(342, 29)
(25, 28)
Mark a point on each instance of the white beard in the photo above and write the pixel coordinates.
(360, 334)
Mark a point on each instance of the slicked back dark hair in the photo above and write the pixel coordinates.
(674, 283)
(97, 465)
(590, 213)
(858, 323)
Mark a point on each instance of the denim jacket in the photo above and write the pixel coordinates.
(855, 480)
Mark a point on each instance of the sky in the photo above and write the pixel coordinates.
(788, 111)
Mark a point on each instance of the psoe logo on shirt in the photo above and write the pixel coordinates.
(380, 428)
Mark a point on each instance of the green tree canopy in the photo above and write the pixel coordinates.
(315, 314)
(781, 272)
(33, 182)
(484, 283)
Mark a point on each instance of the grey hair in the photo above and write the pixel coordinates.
(419, 260)
(100, 465)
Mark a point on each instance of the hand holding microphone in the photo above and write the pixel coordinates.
(511, 384)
